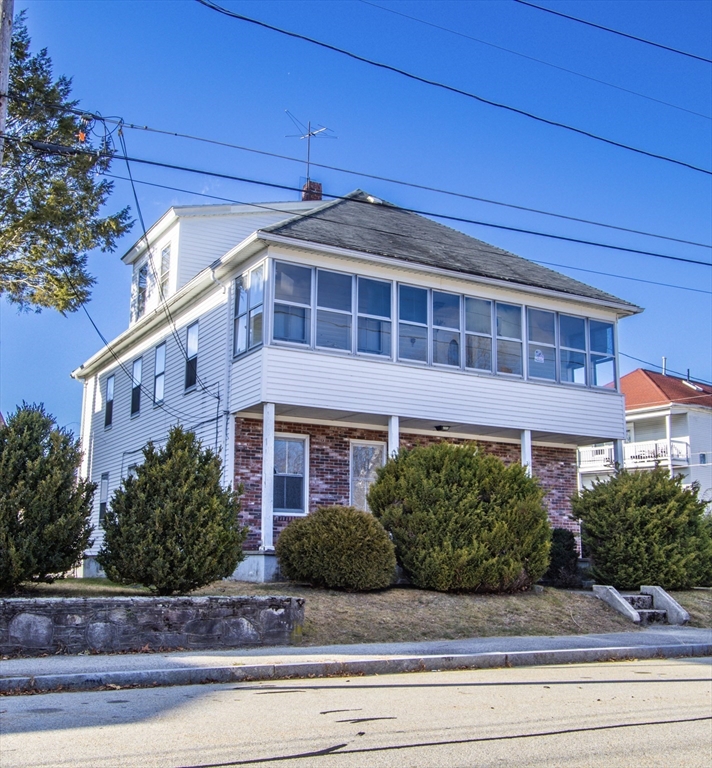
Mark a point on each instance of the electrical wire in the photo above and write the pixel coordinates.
(655, 365)
(615, 31)
(376, 177)
(263, 206)
(533, 58)
(450, 88)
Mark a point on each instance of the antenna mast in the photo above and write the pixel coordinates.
(307, 132)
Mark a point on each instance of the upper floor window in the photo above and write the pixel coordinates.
(412, 323)
(165, 270)
(509, 339)
(572, 352)
(136, 386)
(446, 328)
(141, 290)
(292, 303)
(191, 360)
(249, 310)
(478, 334)
(103, 496)
(159, 374)
(542, 344)
(374, 316)
(333, 313)
(603, 358)
(109, 404)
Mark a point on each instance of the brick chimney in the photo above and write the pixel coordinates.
(311, 190)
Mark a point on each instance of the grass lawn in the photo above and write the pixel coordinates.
(403, 614)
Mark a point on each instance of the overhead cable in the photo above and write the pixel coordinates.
(615, 31)
(450, 88)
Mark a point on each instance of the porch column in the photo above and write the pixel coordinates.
(668, 438)
(393, 435)
(267, 475)
(618, 454)
(527, 451)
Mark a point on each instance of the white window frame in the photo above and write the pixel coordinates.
(159, 374)
(190, 358)
(305, 440)
(492, 336)
(164, 271)
(555, 346)
(521, 341)
(353, 442)
(109, 400)
(428, 325)
(316, 307)
(457, 331)
(310, 307)
(136, 386)
(561, 348)
(103, 496)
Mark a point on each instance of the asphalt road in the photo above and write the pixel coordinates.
(645, 713)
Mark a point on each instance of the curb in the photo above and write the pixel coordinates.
(151, 678)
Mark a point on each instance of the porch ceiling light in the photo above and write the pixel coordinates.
(442, 427)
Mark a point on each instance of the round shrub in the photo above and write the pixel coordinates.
(563, 569)
(337, 547)
(645, 528)
(461, 520)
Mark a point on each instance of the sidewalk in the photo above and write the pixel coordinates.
(192, 667)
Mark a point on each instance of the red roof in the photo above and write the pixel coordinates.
(644, 389)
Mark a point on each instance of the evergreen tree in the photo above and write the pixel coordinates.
(44, 508)
(645, 528)
(172, 527)
(49, 202)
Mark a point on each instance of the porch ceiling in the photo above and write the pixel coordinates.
(380, 421)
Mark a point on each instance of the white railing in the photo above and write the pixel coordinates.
(652, 451)
(592, 458)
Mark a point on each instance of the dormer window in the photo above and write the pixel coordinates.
(141, 290)
(165, 271)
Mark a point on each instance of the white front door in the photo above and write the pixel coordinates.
(366, 458)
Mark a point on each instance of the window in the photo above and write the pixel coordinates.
(572, 353)
(292, 303)
(165, 271)
(289, 475)
(109, 407)
(374, 316)
(478, 334)
(366, 458)
(603, 360)
(191, 362)
(103, 496)
(141, 290)
(413, 324)
(136, 387)
(509, 335)
(159, 374)
(446, 328)
(249, 310)
(542, 344)
(333, 313)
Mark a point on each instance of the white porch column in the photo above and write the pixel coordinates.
(393, 435)
(527, 451)
(267, 475)
(668, 438)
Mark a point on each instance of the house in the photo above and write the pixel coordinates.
(668, 423)
(308, 341)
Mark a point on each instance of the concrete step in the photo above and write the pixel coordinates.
(652, 616)
(639, 602)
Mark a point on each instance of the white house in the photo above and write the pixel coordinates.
(668, 423)
(307, 341)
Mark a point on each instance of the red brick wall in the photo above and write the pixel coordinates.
(329, 469)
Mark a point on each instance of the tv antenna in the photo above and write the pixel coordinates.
(309, 133)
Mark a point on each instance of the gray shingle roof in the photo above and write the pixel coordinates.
(380, 228)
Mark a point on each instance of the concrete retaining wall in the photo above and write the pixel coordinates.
(33, 626)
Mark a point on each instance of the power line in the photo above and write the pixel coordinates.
(655, 365)
(450, 88)
(362, 174)
(62, 149)
(263, 206)
(533, 58)
(614, 31)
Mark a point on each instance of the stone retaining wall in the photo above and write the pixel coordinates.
(34, 626)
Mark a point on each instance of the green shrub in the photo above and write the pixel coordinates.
(172, 527)
(44, 507)
(461, 520)
(337, 547)
(563, 569)
(645, 528)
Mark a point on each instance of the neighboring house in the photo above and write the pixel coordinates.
(308, 341)
(668, 423)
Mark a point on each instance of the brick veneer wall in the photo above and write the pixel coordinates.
(329, 467)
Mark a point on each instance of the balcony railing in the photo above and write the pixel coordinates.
(647, 453)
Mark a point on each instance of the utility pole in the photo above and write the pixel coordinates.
(8, 8)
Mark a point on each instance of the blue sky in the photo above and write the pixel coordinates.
(181, 67)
